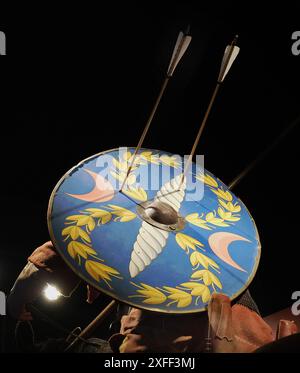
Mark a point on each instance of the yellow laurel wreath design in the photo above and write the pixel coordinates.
(200, 280)
(78, 230)
(198, 290)
(187, 242)
(207, 179)
(151, 295)
(182, 295)
(185, 293)
(120, 170)
(225, 214)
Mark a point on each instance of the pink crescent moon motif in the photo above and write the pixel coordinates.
(219, 243)
(102, 191)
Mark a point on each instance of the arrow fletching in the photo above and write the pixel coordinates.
(229, 57)
(181, 46)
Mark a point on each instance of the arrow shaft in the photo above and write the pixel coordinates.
(170, 71)
(146, 128)
(201, 129)
(219, 82)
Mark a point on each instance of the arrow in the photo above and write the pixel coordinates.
(180, 48)
(230, 55)
(182, 43)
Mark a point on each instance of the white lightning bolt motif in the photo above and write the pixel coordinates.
(151, 240)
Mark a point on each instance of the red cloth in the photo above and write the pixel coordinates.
(236, 328)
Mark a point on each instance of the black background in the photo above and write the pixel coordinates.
(83, 79)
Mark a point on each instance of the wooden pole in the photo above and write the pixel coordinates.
(93, 325)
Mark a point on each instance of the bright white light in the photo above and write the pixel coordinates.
(51, 293)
